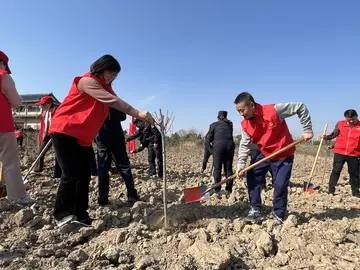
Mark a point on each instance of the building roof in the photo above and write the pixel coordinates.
(37, 97)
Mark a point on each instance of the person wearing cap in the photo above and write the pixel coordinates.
(49, 108)
(150, 138)
(9, 151)
(74, 127)
(19, 134)
(265, 126)
(220, 136)
(346, 149)
(111, 146)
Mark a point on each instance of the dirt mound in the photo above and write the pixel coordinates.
(321, 231)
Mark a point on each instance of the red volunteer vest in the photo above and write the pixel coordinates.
(42, 124)
(268, 131)
(80, 115)
(6, 119)
(348, 141)
(18, 134)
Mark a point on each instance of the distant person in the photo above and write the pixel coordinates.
(111, 146)
(19, 136)
(346, 149)
(150, 138)
(9, 149)
(49, 108)
(220, 135)
(74, 127)
(265, 126)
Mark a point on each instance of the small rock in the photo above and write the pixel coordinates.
(23, 216)
(212, 255)
(151, 200)
(144, 262)
(264, 244)
(125, 258)
(238, 225)
(290, 222)
(185, 243)
(98, 225)
(214, 226)
(112, 254)
(78, 256)
(203, 235)
(281, 259)
(43, 252)
(87, 231)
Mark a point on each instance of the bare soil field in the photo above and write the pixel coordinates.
(321, 231)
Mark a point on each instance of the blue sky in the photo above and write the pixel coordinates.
(193, 57)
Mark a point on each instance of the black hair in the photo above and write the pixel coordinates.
(105, 62)
(244, 97)
(350, 113)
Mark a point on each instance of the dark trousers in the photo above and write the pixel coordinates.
(72, 196)
(20, 140)
(281, 170)
(353, 169)
(155, 153)
(108, 150)
(207, 155)
(40, 165)
(223, 155)
(94, 169)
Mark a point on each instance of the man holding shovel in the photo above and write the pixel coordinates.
(265, 126)
(346, 149)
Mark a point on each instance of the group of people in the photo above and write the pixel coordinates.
(92, 112)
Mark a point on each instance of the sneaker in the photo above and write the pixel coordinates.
(84, 222)
(26, 200)
(356, 196)
(277, 218)
(254, 216)
(65, 220)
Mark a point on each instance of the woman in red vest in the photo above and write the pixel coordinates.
(74, 127)
(9, 152)
(265, 126)
(19, 136)
(347, 149)
(49, 108)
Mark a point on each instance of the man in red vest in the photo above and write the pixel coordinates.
(265, 126)
(48, 106)
(346, 149)
(9, 151)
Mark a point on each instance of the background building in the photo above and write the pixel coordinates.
(28, 115)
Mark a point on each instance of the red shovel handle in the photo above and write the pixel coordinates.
(252, 166)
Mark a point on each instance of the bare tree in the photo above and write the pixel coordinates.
(164, 123)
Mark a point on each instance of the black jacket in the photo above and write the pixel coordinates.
(147, 135)
(111, 131)
(221, 130)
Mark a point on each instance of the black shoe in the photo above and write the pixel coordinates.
(254, 216)
(277, 218)
(356, 195)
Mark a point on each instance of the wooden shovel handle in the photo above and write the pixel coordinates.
(256, 163)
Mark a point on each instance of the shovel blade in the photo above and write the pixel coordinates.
(309, 188)
(195, 194)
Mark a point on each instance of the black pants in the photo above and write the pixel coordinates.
(223, 154)
(155, 153)
(72, 196)
(113, 149)
(40, 165)
(353, 169)
(207, 155)
(20, 140)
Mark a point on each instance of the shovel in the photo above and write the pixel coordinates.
(307, 185)
(196, 194)
(36, 161)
